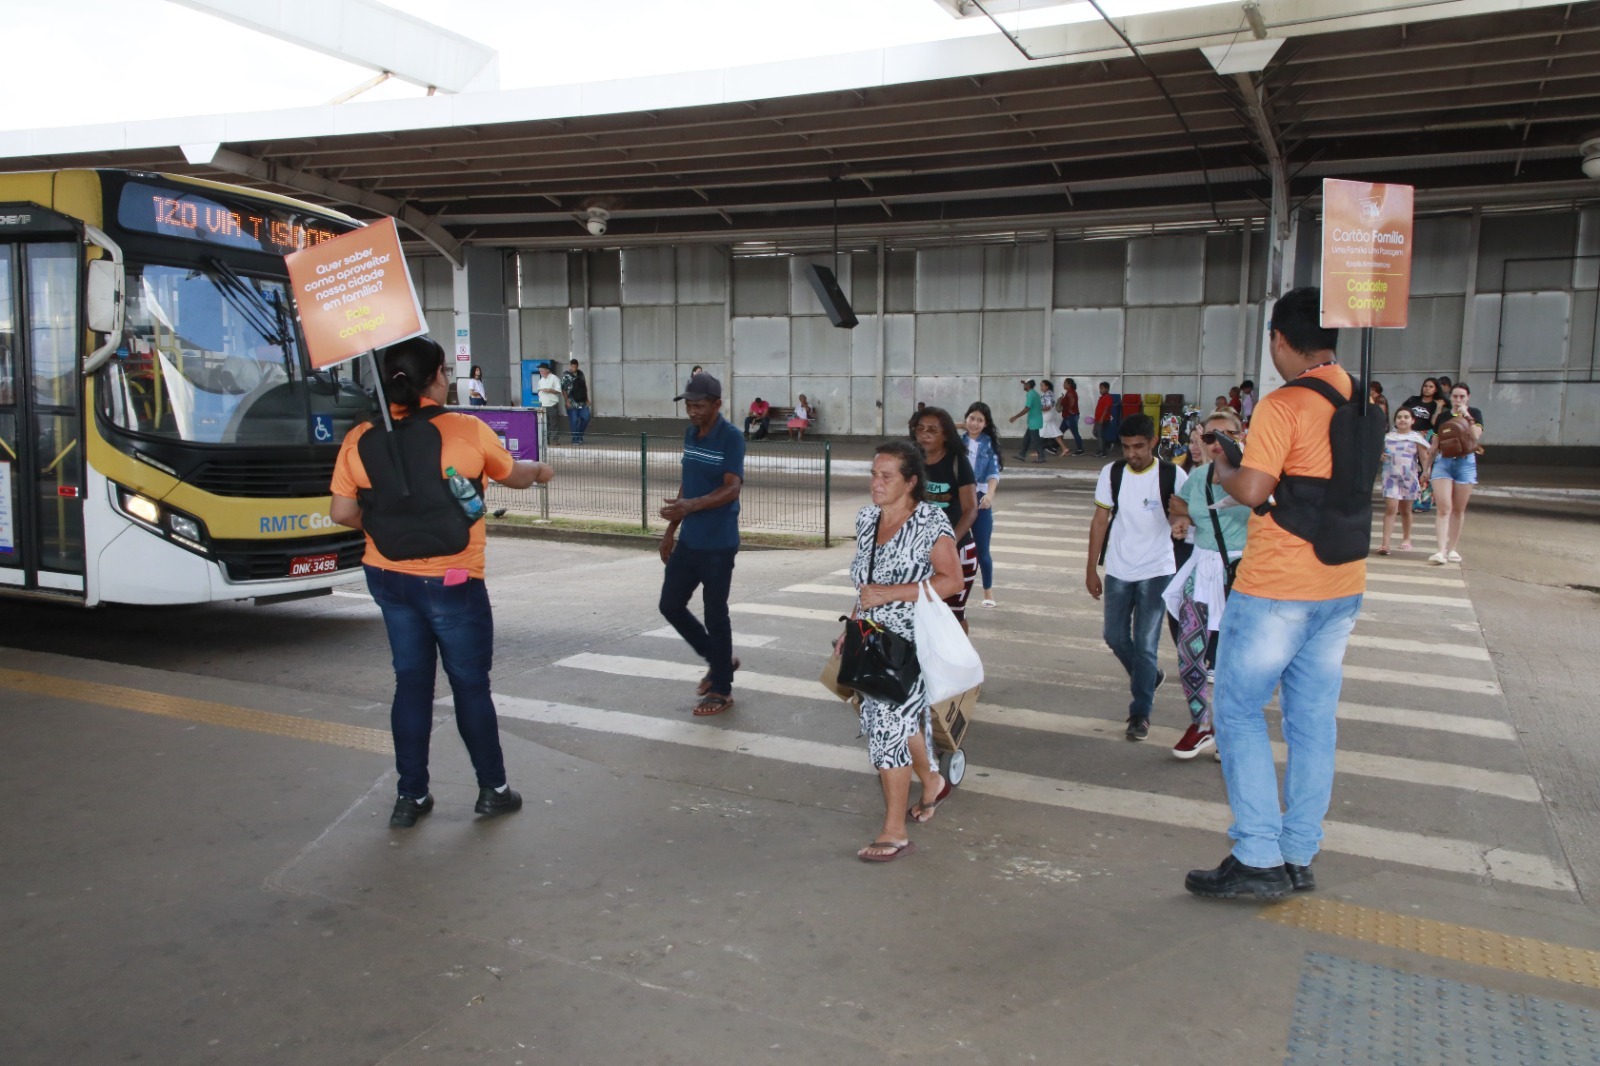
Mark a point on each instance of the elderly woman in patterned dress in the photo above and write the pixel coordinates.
(914, 544)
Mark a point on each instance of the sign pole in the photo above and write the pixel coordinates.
(1366, 368)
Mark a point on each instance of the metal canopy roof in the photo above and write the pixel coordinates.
(1482, 110)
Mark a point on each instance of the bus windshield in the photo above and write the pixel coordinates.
(212, 357)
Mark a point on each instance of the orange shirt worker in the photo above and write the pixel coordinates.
(424, 564)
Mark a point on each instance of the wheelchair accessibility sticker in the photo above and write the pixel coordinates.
(322, 428)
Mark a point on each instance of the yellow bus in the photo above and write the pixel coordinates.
(162, 438)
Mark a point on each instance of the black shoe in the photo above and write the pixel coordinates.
(491, 803)
(1078, 452)
(408, 810)
(1301, 877)
(1161, 679)
(1138, 728)
(1234, 877)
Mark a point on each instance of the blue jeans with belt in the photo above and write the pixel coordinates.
(428, 621)
(1297, 645)
(712, 572)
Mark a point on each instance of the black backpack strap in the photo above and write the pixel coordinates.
(1325, 390)
(1116, 491)
(1167, 476)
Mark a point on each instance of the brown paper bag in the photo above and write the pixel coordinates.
(830, 681)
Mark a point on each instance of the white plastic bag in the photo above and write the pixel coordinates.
(950, 664)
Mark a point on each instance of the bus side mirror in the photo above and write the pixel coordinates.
(104, 299)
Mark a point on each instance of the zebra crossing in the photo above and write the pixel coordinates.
(1430, 769)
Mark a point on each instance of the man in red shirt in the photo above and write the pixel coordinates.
(1102, 421)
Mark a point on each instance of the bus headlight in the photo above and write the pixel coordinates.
(145, 510)
(184, 526)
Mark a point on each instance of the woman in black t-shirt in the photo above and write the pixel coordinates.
(1426, 407)
(952, 488)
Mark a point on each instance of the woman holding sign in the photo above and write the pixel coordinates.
(417, 493)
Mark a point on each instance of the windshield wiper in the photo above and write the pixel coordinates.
(269, 318)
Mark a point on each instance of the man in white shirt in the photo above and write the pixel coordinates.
(549, 390)
(1132, 526)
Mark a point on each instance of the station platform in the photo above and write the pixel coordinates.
(198, 866)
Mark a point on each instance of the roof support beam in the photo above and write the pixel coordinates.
(422, 224)
(369, 34)
(1256, 107)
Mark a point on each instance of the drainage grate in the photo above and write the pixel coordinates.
(1354, 1012)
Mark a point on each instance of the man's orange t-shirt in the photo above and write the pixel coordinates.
(471, 447)
(1289, 435)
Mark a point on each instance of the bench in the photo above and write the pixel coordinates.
(781, 415)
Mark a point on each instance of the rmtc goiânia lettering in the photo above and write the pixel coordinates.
(296, 523)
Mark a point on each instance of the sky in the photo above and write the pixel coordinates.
(141, 59)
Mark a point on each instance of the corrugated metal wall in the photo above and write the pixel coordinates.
(1160, 314)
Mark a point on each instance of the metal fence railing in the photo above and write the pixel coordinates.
(625, 477)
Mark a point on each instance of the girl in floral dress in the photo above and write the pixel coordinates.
(1406, 459)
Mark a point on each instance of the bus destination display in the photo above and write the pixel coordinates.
(191, 216)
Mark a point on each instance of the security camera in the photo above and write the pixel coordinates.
(1591, 157)
(595, 222)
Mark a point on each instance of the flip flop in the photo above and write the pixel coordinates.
(899, 849)
(922, 812)
(712, 703)
(1383, 551)
(705, 682)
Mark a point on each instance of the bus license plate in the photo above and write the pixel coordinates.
(307, 565)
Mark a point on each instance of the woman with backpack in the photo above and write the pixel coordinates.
(1455, 470)
(417, 493)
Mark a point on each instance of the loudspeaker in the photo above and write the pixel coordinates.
(832, 297)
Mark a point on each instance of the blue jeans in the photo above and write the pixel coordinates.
(1134, 610)
(422, 617)
(1071, 424)
(982, 531)
(1298, 645)
(712, 573)
(577, 421)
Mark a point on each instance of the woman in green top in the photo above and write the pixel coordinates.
(1200, 511)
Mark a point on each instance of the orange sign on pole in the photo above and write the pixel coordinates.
(354, 294)
(1366, 254)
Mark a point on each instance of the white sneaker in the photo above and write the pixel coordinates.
(1437, 559)
(1454, 557)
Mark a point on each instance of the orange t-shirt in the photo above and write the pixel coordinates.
(1289, 435)
(471, 447)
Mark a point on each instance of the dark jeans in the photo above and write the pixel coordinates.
(982, 534)
(712, 573)
(423, 618)
(761, 426)
(577, 421)
(1031, 442)
(1103, 430)
(1071, 422)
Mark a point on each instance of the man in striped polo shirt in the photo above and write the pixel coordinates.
(702, 538)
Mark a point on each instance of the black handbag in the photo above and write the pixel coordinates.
(877, 662)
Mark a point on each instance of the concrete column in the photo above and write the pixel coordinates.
(478, 286)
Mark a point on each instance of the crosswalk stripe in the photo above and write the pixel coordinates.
(740, 640)
(1421, 647)
(1361, 764)
(1436, 720)
(783, 610)
(1448, 683)
(1429, 601)
(1052, 553)
(1034, 538)
(1409, 849)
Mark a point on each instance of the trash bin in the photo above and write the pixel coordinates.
(1152, 406)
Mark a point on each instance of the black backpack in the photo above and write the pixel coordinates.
(410, 512)
(1334, 514)
(1167, 476)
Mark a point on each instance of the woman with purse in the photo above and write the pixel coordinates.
(902, 540)
(1198, 592)
(1455, 470)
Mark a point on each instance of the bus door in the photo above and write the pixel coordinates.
(41, 417)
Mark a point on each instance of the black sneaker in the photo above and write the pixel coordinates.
(491, 803)
(1161, 679)
(1233, 877)
(408, 810)
(1138, 728)
(1301, 877)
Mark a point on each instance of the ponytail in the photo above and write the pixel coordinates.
(409, 367)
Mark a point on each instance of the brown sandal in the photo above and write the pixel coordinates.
(705, 682)
(712, 703)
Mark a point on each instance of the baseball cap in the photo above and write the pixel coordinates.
(701, 386)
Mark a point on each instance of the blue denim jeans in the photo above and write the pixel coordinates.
(577, 421)
(712, 573)
(1070, 422)
(1133, 613)
(982, 533)
(1298, 645)
(425, 617)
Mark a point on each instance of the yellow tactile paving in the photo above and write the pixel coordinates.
(132, 699)
(1459, 943)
